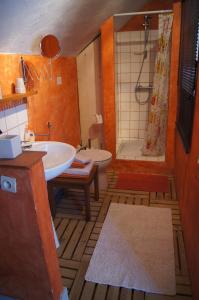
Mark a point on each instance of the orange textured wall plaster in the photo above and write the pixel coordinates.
(54, 103)
(108, 84)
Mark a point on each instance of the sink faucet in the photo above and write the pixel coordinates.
(78, 149)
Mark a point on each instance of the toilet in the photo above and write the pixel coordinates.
(102, 158)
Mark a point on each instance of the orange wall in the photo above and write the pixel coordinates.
(108, 84)
(173, 87)
(187, 185)
(55, 103)
(108, 90)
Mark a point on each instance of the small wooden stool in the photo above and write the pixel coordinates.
(75, 181)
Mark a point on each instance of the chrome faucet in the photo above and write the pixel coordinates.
(78, 149)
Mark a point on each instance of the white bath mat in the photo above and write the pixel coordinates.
(135, 250)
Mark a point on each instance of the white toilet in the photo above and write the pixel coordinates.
(102, 158)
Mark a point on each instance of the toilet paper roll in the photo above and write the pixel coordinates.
(20, 86)
(99, 119)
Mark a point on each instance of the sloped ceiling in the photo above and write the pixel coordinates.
(75, 22)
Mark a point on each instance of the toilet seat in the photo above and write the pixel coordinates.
(97, 155)
(101, 158)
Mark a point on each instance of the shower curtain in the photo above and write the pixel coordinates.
(155, 136)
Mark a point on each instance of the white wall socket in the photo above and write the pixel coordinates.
(8, 184)
(59, 80)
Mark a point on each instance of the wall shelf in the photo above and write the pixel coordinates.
(13, 100)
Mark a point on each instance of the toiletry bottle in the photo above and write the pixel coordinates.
(31, 136)
(26, 134)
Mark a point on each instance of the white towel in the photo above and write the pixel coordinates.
(81, 171)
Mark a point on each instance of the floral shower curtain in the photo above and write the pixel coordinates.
(155, 138)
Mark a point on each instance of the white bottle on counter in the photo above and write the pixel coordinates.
(29, 135)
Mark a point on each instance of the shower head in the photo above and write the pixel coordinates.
(146, 33)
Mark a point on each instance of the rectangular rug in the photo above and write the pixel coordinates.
(143, 182)
(135, 250)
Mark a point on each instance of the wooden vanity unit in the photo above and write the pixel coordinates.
(28, 262)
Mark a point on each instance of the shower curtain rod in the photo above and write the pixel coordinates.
(150, 12)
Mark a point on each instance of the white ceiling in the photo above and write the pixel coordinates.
(74, 22)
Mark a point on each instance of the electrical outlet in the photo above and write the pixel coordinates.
(8, 184)
(59, 80)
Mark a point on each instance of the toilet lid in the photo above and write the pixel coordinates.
(96, 154)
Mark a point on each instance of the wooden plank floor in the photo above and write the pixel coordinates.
(78, 239)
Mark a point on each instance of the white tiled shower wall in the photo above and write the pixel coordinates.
(132, 117)
(14, 120)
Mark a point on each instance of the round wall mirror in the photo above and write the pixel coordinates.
(50, 46)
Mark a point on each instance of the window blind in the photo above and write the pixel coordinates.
(188, 69)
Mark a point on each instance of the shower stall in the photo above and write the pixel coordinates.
(136, 53)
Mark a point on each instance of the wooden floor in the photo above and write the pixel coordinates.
(78, 239)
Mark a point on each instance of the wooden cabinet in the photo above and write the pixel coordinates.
(28, 261)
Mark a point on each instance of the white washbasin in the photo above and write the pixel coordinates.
(58, 158)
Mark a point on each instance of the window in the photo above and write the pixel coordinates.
(188, 69)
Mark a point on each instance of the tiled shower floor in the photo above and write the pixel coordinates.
(131, 150)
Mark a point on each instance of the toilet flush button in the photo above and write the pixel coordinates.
(8, 184)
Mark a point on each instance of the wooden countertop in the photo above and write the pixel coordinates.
(25, 160)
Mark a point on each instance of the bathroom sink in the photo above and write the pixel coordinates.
(58, 158)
